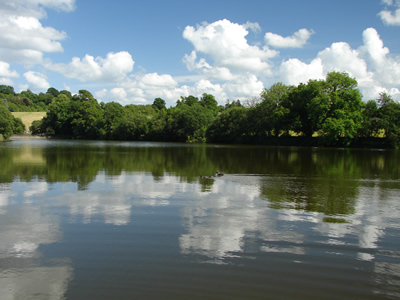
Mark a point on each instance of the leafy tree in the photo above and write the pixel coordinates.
(113, 114)
(59, 117)
(188, 123)
(371, 122)
(208, 101)
(84, 95)
(234, 103)
(134, 126)
(45, 98)
(66, 93)
(86, 118)
(7, 90)
(159, 103)
(36, 127)
(6, 122)
(345, 102)
(18, 126)
(308, 108)
(157, 127)
(189, 100)
(30, 95)
(271, 115)
(53, 91)
(230, 127)
(389, 115)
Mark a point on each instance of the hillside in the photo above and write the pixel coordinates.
(28, 117)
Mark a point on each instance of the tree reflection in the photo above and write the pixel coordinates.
(311, 179)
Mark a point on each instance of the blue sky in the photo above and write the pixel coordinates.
(136, 51)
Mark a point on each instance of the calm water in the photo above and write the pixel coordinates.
(106, 220)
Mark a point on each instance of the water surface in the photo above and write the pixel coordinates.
(123, 220)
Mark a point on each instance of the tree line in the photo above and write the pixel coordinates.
(327, 112)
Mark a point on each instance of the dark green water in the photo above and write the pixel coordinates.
(106, 220)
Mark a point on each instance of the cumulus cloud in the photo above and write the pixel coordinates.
(37, 81)
(157, 81)
(243, 87)
(225, 42)
(297, 40)
(386, 68)
(390, 17)
(23, 38)
(141, 88)
(375, 70)
(203, 67)
(5, 70)
(6, 74)
(114, 67)
(340, 56)
(34, 8)
(254, 26)
(293, 71)
(147, 87)
(373, 46)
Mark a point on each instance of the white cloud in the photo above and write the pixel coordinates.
(371, 64)
(225, 42)
(206, 86)
(293, 71)
(386, 68)
(114, 67)
(373, 46)
(117, 94)
(243, 87)
(203, 67)
(340, 57)
(37, 81)
(23, 38)
(28, 33)
(390, 17)
(34, 8)
(255, 27)
(297, 40)
(157, 81)
(5, 70)
(6, 81)
(387, 2)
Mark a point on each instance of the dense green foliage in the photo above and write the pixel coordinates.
(326, 112)
(26, 100)
(8, 124)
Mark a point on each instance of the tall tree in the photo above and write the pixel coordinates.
(159, 103)
(271, 114)
(308, 107)
(344, 118)
(6, 122)
(208, 101)
(389, 114)
(230, 127)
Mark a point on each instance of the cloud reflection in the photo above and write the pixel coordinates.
(223, 222)
(22, 275)
(220, 223)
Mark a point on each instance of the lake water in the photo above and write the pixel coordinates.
(124, 220)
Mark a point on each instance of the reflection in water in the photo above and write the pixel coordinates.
(131, 213)
(222, 221)
(34, 283)
(23, 275)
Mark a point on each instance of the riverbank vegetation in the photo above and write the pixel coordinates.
(326, 112)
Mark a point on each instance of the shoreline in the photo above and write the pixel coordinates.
(26, 136)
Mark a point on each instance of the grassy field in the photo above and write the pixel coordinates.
(28, 117)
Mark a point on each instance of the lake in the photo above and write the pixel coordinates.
(126, 220)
